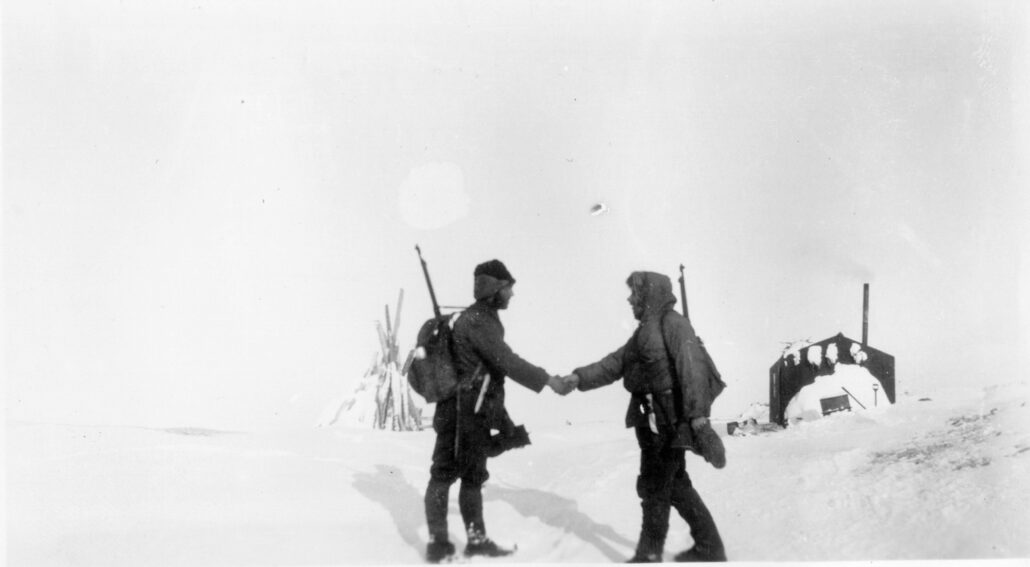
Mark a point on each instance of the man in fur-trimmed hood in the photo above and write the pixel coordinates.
(673, 382)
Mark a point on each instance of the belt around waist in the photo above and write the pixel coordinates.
(658, 393)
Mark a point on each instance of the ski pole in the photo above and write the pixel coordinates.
(852, 396)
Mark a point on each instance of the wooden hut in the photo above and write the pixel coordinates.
(794, 369)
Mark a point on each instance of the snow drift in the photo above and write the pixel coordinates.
(940, 479)
(848, 380)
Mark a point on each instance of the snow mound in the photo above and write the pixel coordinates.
(757, 412)
(939, 480)
(861, 388)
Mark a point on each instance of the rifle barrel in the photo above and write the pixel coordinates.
(429, 283)
(683, 293)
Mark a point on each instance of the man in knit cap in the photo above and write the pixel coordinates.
(464, 438)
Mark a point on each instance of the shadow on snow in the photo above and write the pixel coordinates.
(388, 487)
(562, 513)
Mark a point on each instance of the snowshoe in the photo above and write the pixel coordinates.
(487, 548)
(438, 551)
(695, 555)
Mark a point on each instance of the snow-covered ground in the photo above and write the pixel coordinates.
(947, 478)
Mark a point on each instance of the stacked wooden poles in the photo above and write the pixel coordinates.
(395, 407)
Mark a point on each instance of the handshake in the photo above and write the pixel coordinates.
(563, 385)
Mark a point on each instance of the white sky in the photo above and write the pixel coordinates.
(207, 205)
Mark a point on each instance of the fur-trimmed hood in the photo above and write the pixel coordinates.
(655, 290)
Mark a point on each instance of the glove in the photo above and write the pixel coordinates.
(501, 442)
(709, 445)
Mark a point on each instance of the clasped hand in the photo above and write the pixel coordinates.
(563, 385)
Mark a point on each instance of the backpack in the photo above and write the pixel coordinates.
(432, 374)
(704, 363)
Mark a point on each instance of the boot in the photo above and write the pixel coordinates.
(437, 494)
(481, 545)
(487, 548)
(707, 542)
(654, 527)
(437, 551)
(696, 555)
(470, 502)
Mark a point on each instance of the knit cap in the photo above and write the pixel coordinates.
(491, 277)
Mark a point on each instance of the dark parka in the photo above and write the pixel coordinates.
(479, 344)
(671, 378)
(464, 440)
(664, 358)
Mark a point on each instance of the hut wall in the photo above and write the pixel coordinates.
(787, 377)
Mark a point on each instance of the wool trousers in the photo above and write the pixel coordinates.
(459, 453)
(664, 484)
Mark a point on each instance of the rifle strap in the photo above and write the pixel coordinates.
(458, 421)
(677, 389)
(457, 424)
